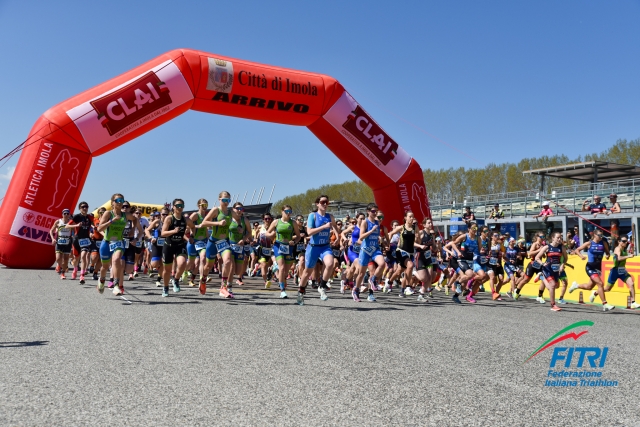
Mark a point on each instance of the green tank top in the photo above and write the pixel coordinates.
(237, 231)
(622, 263)
(284, 231)
(116, 228)
(201, 233)
(220, 230)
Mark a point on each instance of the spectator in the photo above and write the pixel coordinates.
(597, 207)
(571, 243)
(545, 213)
(468, 216)
(576, 236)
(615, 223)
(496, 213)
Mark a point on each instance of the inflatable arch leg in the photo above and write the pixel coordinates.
(56, 158)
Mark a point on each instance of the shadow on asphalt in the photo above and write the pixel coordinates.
(10, 344)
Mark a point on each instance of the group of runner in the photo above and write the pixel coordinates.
(360, 252)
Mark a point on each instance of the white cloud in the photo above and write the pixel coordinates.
(7, 176)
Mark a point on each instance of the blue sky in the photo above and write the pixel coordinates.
(497, 80)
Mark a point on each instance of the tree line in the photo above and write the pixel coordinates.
(446, 185)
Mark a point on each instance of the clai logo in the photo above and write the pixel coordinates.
(132, 102)
(360, 125)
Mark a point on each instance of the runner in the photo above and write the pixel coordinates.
(284, 230)
(466, 247)
(370, 251)
(301, 248)
(318, 228)
(553, 266)
(96, 238)
(405, 250)
(112, 249)
(596, 248)
(174, 227)
(82, 243)
(353, 252)
(61, 234)
(130, 237)
(619, 271)
(265, 250)
(534, 268)
(495, 271)
(218, 243)
(157, 244)
(197, 250)
(239, 238)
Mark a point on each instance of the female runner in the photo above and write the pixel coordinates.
(198, 249)
(283, 230)
(175, 245)
(239, 235)
(63, 240)
(553, 266)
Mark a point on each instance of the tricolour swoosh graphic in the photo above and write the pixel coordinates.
(554, 339)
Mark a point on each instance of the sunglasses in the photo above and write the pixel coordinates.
(299, 219)
(125, 206)
(323, 202)
(179, 205)
(119, 200)
(225, 200)
(66, 213)
(204, 205)
(374, 211)
(288, 211)
(164, 214)
(339, 224)
(624, 241)
(239, 208)
(380, 217)
(84, 207)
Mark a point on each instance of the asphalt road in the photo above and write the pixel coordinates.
(74, 357)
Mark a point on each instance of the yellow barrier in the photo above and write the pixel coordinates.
(617, 296)
(145, 208)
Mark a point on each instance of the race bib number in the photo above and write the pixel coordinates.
(404, 253)
(622, 271)
(555, 267)
(237, 249)
(126, 243)
(63, 241)
(493, 261)
(160, 242)
(535, 264)
(427, 254)
(356, 248)
(138, 243)
(283, 249)
(222, 245)
(247, 249)
(336, 252)
(300, 247)
(115, 245)
(483, 260)
(266, 251)
(369, 250)
(434, 260)
(98, 243)
(84, 242)
(200, 245)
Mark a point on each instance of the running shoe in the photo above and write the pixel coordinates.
(239, 282)
(165, 292)
(176, 287)
(209, 279)
(408, 291)
(540, 300)
(555, 308)
(158, 283)
(470, 299)
(135, 274)
(495, 296)
(355, 297)
(329, 283)
(608, 307)
(224, 292)
(74, 274)
(267, 284)
(573, 287)
(82, 279)
(465, 292)
(185, 275)
(95, 276)
(323, 294)
(130, 277)
(561, 301)
(456, 299)
(146, 270)
(421, 298)
(516, 296)
(284, 295)
(401, 295)
(191, 283)
(57, 269)
(510, 295)
(438, 287)
(481, 288)
(117, 290)
(152, 274)
(110, 285)
(635, 305)
(373, 285)
(91, 269)
(363, 288)
(100, 287)
(422, 289)
(458, 288)
(300, 298)
(592, 297)
(446, 290)
(203, 287)
(371, 298)
(386, 288)
(62, 276)
(342, 287)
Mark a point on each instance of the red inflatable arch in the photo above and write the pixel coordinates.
(55, 162)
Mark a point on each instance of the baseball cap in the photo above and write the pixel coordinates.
(66, 211)
(545, 203)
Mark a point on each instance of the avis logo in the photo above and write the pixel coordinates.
(34, 234)
(360, 125)
(132, 102)
(595, 356)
